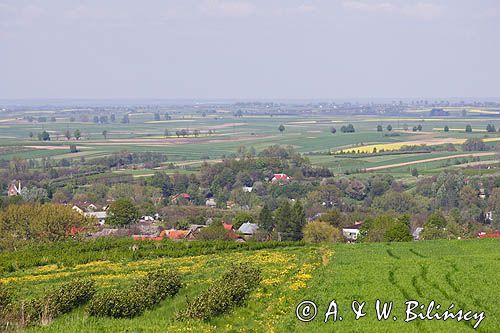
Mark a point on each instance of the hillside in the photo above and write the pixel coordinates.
(460, 272)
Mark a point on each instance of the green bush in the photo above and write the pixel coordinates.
(229, 291)
(117, 304)
(158, 285)
(57, 302)
(132, 302)
(5, 298)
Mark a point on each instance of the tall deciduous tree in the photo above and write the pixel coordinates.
(122, 212)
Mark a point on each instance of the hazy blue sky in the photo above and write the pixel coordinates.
(249, 49)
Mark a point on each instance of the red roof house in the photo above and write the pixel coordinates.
(280, 176)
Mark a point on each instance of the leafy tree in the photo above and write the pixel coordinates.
(474, 144)
(333, 130)
(31, 135)
(334, 217)
(446, 128)
(42, 223)
(356, 189)
(400, 202)
(44, 136)
(389, 127)
(242, 217)
(468, 129)
(319, 232)
(35, 194)
(414, 172)
(105, 134)
(490, 128)
(122, 212)
(379, 128)
(436, 220)
(281, 128)
(103, 119)
(385, 228)
(77, 134)
(397, 232)
(419, 127)
(348, 129)
(435, 227)
(214, 231)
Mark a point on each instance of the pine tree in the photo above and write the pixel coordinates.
(266, 222)
(282, 216)
(298, 220)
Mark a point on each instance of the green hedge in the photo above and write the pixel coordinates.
(5, 299)
(57, 302)
(229, 291)
(70, 253)
(132, 302)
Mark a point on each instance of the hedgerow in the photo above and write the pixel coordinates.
(70, 253)
(5, 299)
(132, 302)
(57, 302)
(230, 291)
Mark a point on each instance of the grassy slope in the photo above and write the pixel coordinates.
(460, 272)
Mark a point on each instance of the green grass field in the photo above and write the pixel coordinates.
(464, 273)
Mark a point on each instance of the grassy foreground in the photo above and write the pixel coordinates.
(462, 272)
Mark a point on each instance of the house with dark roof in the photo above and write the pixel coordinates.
(248, 229)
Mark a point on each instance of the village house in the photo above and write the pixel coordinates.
(248, 229)
(247, 189)
(280, 177)
(14, 189)
(416, 233)
(90, 210)
(99, 216)
(211, 203)
(351, 233)
(180, 198)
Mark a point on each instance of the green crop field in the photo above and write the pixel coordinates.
(464, 273)
(308, 133)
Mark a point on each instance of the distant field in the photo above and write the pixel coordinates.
(307, 133)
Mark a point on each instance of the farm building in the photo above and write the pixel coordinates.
(351, 233)
(99, 216)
